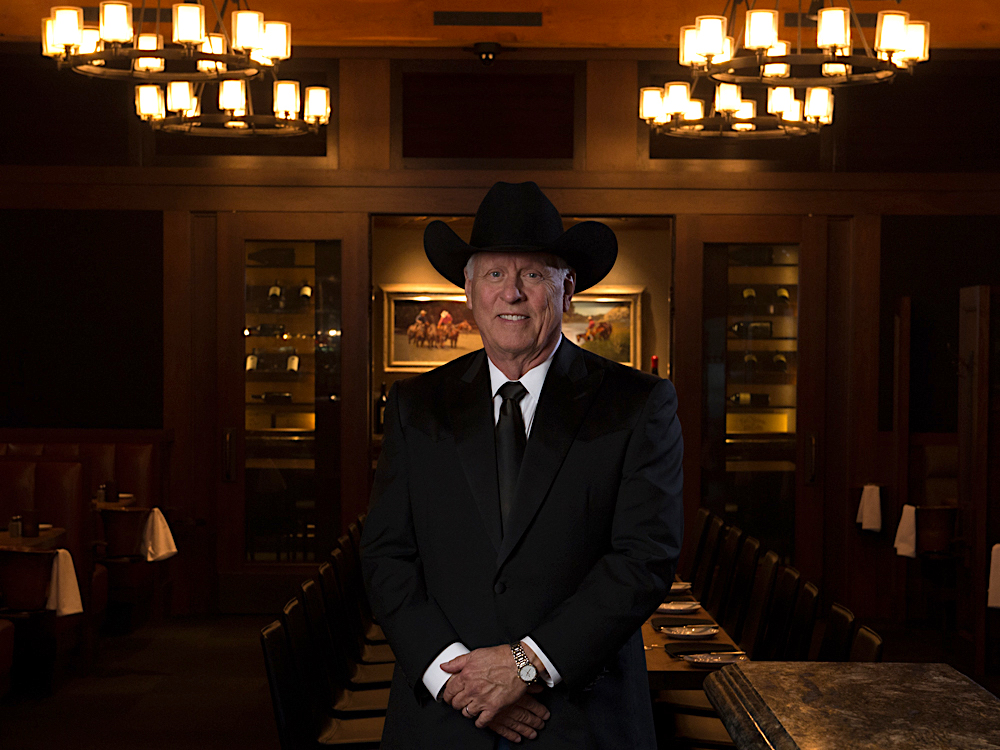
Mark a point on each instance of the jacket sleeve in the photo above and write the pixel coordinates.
(581, 634)
(413, 622)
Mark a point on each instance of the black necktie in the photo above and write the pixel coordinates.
(510, 444)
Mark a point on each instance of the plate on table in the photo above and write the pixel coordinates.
(713, 660)
(692, 632)
(681, 607)
(680, 587)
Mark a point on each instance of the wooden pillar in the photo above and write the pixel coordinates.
(612, 115)
(364, 114)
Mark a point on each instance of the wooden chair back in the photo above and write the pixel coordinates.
(760, 600)
(838, 634)
(800, 632)
(702, 579)
(695, 537)
(867, 646)
(724, 569)
(734, 607)
(779, 616)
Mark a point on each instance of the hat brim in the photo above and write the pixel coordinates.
(589, 247)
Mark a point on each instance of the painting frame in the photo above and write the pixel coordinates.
(401, 303)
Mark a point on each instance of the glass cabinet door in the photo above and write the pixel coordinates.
(750, 375)
(292, 398)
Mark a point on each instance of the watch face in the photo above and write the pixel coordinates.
(528, 673)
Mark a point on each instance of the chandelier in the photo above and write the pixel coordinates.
(171, 82)
(759, 59)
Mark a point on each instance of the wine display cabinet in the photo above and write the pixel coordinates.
(750, 355)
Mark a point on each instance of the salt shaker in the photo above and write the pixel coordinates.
(14, 529)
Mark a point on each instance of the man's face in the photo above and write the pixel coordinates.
(518, 301)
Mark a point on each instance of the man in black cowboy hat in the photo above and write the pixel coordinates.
(526, 514)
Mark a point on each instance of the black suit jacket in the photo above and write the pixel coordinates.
(588, 552)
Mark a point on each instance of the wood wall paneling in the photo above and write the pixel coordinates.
(612, 111)
(364, 114)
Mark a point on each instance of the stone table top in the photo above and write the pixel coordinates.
(861, 706)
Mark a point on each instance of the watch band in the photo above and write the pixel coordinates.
(521, 660)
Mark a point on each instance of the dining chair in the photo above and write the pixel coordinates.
(299, 727)
(340, 609)
(706, 567)
(760, 600)
(724, 569)
(24, 578)
(696, 536)
(368, 631)
(800, 632)
(352, 581)
(735, 606)
(867, 646)
(779, 615)
(837, 636)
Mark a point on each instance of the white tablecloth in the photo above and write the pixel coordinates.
(64, 592)
(157, 539)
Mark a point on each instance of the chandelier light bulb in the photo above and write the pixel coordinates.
(189, 23)
(180, 96)
(248, 30)
(688, 46)
(67, 26)
(728, 97)
(258, 56)
(650, 102)
(49, 48)
(214, 44)
(676, 97)
(116, 22)
(777, 70)
(747, 111)
(779, 99)
(277, 40)
(286, 100)
(833, 28)
(819, 104)
(149, 42)
(890, 31)
(232, 95)
(149, 103)
(711, 35)
(761, 29)
(317, 110)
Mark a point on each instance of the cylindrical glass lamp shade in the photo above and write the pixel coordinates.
(728, 45)
(49, 48)
(232, 95)
(794, 111)
(728, 97)
(761, 29)
(277, 40)
(189, 23)
(286, 100)
(214, 44)
(195, 110)
(317, 111)
(819, 104)
(688, 47)
(747, 111)
(777, 70)
(67, 26)
(779, 99)
(650, 102)
(711, 35)
(149, 102)
(838, 69)
(91, 43)
(918, 37)
(890, 30)
(248, 30)
(149, 64)
(180, 96)
(116, 22)
(833, 28)
(695, 110)
(676, 96)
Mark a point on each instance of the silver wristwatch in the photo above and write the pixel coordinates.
(525, 669)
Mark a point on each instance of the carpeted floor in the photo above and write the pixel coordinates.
(191, 683)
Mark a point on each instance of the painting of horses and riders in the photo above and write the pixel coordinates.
(425, 329)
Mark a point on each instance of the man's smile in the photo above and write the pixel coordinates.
(512, 316)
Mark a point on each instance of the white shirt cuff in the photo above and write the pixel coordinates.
(434, 677)
(554, 677)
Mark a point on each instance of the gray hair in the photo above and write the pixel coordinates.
(552, 261)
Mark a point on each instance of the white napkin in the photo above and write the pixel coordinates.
(993, 599)
(64, 592)
(906, 533)
(156, 537)
(870, 509)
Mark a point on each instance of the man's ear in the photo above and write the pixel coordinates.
(468, 293)
(569, 286)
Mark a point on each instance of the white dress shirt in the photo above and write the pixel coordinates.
(434, 677)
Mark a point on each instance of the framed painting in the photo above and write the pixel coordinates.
(428, 325)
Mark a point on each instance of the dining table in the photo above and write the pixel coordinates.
(669, 672)
(48, 538)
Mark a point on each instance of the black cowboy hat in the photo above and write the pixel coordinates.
(518, 218)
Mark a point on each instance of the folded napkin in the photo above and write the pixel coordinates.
(906, 534)
(993, 598)
(686, 649)
(64, 592)
(157, 539)
(870, 509)
(679, 622)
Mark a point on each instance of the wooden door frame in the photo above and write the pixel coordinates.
(692, 232)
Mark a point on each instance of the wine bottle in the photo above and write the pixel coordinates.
(274, 295)
(780, 362)
(305, 291)
(749, 296)
(752, 329)
(380, 403)
(750, 399)
(292, 363)
(750, 361)
(252, 360)
(783, 297)
(655, 365)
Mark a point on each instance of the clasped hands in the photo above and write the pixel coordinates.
(484, 685)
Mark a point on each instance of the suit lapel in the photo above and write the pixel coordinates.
(565, 399)
(471, 410)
